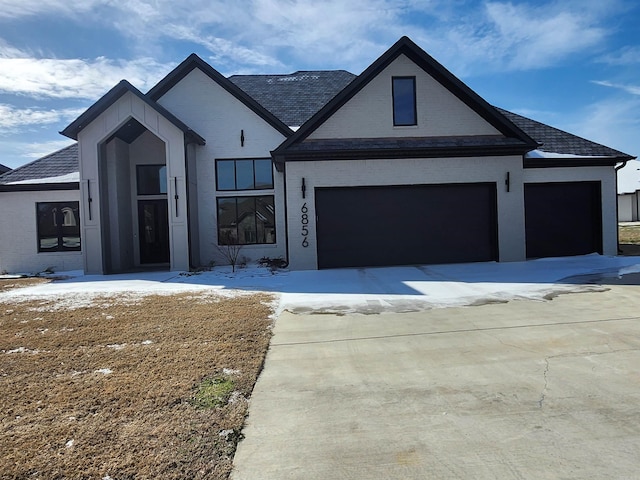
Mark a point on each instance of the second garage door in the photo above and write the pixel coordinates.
(563, 219)
(406, 225)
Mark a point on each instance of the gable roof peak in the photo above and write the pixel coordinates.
(194, 61)
(433, 68)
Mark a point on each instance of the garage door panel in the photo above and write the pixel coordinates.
(403, 225)
(563, 219)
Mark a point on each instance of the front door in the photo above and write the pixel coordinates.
(153, 222)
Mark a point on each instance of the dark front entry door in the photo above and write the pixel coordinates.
(153, 221)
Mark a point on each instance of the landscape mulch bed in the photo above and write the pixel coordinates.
(107, 391)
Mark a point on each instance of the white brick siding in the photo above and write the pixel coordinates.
(19, 234)
(220, 118)
(369, 114)
(511, 241)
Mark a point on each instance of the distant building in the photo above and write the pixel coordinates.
(629, 192)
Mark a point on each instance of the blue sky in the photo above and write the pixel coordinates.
(574, 64)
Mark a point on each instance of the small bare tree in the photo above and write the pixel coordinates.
(229, 249)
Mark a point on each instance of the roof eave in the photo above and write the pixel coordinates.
(407, 47)
(111, 97)
(574, 162)
(36, 187)
(395, 153)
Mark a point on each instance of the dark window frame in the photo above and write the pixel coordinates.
(396, 122)
(58, 230)
(221, 226)
(235, 175)
(142, 166)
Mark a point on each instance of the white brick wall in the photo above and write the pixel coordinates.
(369, 114)
(219, 117)
(511, 242)
(19, 234)
(607, 177)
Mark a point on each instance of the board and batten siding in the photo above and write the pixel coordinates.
(89, 140)
(220, 118)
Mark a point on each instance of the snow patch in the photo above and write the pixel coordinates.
(69, 177)
(21, 350)
(104, 371)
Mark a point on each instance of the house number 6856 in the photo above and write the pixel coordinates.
(304, 219)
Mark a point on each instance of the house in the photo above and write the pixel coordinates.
(629, 192)
(40, 215)
(402, 164)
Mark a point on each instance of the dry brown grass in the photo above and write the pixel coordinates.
(629, 240)
(630, 234)
(62, 418)
(11, 283)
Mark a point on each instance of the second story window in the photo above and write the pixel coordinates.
(244, 174)
(404, 101)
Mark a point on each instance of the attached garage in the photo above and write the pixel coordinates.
(563, 219)
(406, 225)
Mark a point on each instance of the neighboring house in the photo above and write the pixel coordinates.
(41, 215)
(3, 169)
(629, 192)
(403, 164)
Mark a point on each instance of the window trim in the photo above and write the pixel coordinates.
(235, 177)
(141, 166)
(59, 226)
(236, 198)
(415, 101)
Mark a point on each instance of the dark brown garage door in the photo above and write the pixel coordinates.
(406, 225)
(563, 219)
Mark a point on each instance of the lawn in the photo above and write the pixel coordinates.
(146, 387)
(629, 236)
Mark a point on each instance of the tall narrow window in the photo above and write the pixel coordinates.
(404, 101)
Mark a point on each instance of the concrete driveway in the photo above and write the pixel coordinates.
(524, 389)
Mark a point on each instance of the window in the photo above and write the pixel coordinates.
(58, 226)
(404, 101)
(245, 174)
(246, 220)
(151, 179)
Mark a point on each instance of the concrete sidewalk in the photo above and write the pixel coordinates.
(526, 389)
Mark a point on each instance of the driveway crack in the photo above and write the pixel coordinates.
(546, 382)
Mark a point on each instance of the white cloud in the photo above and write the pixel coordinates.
(75, 78)
(555, 33)
(25, 8)
(614, 122)
(12, 119)
(37, 150)
(632, 89)
(625, 56)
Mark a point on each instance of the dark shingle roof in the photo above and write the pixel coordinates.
(3, 169)
(294, 98)
(55, 164)
(554, 140)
